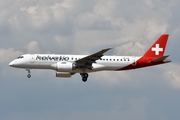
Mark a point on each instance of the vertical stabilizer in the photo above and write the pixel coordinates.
(158, 48)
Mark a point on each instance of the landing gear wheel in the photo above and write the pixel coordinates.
(84, 76)
(84, 79)
(29, 75)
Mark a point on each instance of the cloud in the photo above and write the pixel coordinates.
(105, 8)
(149, 3)
(8, 55)
(33, 47)
(91, 21)
(155, 28)
(84, 27)
(64, 44)
(111, 78)
(172, 74)
(37, 16)
(131, 49)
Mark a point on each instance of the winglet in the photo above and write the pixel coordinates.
(158, 48)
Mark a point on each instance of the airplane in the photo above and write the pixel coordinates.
(68, 65)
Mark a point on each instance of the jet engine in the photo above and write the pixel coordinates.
(63, 74)
(63, 66)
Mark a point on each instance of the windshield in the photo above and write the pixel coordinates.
(20, 57)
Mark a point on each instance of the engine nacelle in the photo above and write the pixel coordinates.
(63, 66)
(63, 74)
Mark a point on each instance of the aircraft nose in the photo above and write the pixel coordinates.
(11, 64)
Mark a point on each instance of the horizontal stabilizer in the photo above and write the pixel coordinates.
(160, 59)
(167, 61)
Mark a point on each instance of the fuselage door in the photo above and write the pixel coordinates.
(32, 58)
(134, 61)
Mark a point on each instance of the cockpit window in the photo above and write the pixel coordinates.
(20, 57)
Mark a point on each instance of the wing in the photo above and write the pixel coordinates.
(88, 60)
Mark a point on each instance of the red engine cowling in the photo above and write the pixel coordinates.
(63, 66)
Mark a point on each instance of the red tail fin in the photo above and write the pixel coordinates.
(158, 48)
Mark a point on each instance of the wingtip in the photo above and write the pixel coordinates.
(109, 48)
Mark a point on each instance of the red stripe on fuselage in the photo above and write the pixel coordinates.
(142, 62)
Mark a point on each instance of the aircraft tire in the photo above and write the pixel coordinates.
(84, 79)
(29, 75)
(86, 75)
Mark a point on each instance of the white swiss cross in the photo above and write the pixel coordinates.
(157, 49)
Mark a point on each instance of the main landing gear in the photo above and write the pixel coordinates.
(84, 76)
(29, 75)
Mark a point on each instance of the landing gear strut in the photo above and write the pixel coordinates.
(84, 76)
(29, 75)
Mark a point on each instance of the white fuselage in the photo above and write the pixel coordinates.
(49, 61)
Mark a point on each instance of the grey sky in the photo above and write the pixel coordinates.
(84, 27)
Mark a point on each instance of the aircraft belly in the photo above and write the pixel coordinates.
(106, 67)
(116, 66)
(40, 65)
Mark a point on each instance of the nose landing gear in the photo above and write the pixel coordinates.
(84, 76)
(29, 75)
